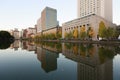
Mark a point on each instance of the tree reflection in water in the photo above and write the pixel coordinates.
(5, 44)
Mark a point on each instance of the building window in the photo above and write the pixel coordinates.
(88, 24)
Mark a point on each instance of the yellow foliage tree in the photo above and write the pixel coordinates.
(82, 29)
(90, 32)
(82, 32)
(75, 33)
(65, 34)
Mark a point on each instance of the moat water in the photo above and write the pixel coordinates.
(59, 61)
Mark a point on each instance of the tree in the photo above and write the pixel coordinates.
(68, 35)
(102, 29)
(115, 33)
(5, 39)
(75, 33)
(90, 32)
(59, 34)
(82, 32)
(5, 36)
(109, 33)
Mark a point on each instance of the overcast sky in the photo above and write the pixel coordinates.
(22, 14)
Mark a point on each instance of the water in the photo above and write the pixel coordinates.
(53, 61)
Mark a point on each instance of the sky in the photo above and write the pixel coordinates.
(22, 14)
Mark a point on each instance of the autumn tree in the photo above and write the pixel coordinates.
(102, 29)
(75, 33)
(82, 32)
(90, 32)
(59, 34)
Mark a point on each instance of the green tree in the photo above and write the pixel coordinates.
(102, 29)
(115, 33)
(90, 32)
(69, 35)
(5, 39)
(110, 32)
(59, 35)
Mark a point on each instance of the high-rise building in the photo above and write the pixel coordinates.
(48, 18)
(101, 8)
(39, 28)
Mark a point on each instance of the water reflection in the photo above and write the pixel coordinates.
(48, 59)
(47, 54)
(94, 62)
(15, 45)
(5, 44)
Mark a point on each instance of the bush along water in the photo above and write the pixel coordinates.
(5, 39)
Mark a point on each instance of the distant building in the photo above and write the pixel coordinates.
(15, 33)
(31, 32)
(11, 32)
(48, 18)
(101, 8)
(24, 33)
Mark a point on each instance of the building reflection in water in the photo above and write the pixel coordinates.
(24, 45)
(48, 58)
(15, 45)
(31, 47)
(100, 72)
(94, 62)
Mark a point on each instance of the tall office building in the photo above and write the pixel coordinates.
(101, 8)
(39, 28)
(48, 18)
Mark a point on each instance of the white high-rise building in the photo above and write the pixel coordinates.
(101, 8)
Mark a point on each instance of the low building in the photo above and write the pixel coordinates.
(24, 33)
(15, 33)
(79, 25)
(31, 32)
(11, 32)
(53, 31)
